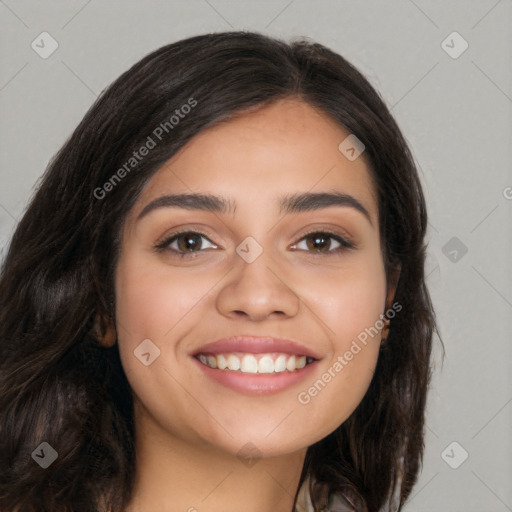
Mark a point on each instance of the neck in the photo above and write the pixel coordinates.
(176, 475)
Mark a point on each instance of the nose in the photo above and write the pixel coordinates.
(257, 291)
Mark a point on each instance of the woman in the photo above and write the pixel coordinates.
(216, 299)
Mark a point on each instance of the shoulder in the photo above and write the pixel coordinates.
(330, 501)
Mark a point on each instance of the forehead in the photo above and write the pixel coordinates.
(261, 155)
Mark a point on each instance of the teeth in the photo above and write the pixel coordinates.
(265, 365)
(280, 363)
(233, 362)
(222, 364)
(249, 364)
(255, 363)
(290, 364)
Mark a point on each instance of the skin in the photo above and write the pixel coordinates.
(189, 428)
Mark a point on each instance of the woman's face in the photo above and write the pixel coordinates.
(265, 266)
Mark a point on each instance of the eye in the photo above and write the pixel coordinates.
(322, 242)
(185, 242)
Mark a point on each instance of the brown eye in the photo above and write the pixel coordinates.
(323, 242)
(189, 241)
(318, 242)
(185, 242)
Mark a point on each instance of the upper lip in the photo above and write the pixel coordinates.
(256, 345)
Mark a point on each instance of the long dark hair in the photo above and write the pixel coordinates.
(59, 385)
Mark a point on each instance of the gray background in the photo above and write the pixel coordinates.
(455, 112)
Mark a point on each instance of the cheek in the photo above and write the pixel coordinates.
(348, 299)
(349, 304)
(154, 304)
(151, 300)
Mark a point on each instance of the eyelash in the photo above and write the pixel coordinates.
(164, 245)
(344, 244)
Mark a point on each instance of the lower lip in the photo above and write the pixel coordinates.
(257, 383)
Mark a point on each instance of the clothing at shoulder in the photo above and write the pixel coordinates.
(331, 502)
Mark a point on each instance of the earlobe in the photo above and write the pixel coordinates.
(104, 331)
(110, 337)
(385, 331)
(392, 285)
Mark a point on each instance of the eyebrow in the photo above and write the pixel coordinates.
(294, 203)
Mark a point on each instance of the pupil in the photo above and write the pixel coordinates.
(319, 240)
(190, 241)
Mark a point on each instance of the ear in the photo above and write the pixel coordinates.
(392, 281)
(393, 278)
(104, 330)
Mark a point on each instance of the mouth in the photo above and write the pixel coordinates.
(256, 365)
(266, 363)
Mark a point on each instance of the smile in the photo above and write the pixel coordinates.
(255, 363)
